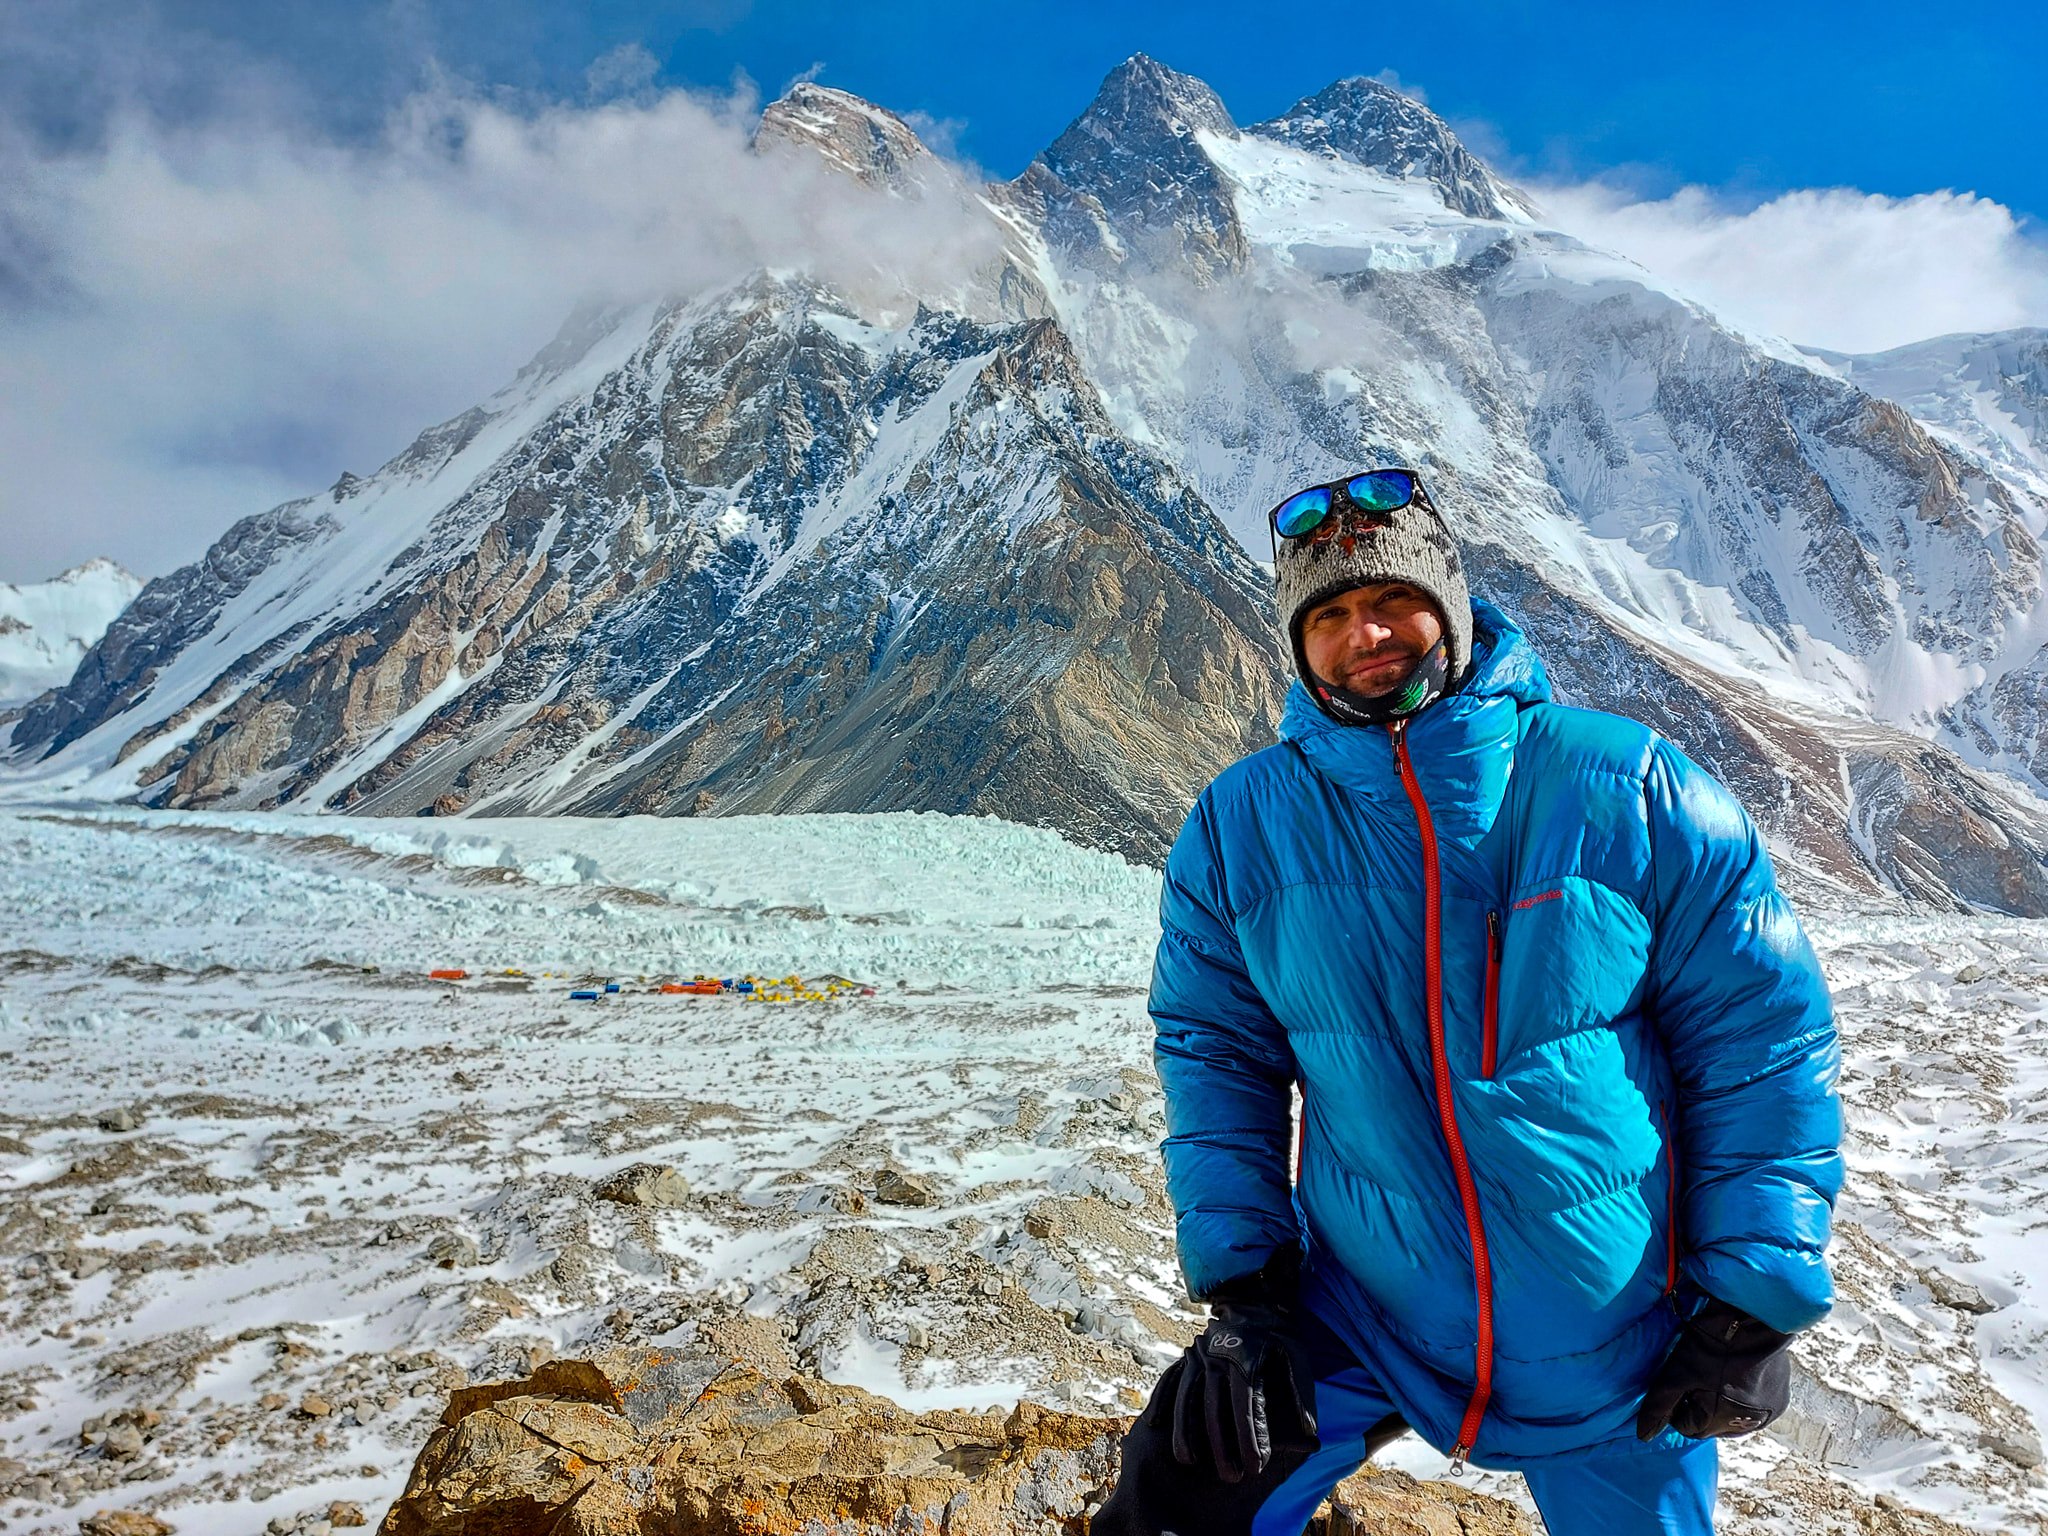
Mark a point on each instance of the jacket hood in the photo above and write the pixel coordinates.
(1455, 743)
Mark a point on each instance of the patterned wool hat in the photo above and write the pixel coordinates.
(1408, 544)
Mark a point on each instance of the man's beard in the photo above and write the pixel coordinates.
(1428, 679)
(1384, 682)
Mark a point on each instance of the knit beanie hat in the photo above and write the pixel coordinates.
(1408, 544)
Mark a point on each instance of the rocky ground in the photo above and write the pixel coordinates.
(269, 1194)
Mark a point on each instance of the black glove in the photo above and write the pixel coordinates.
(1728, 1374)
(1246, 1390)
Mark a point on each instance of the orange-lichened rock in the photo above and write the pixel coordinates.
(641, 1442)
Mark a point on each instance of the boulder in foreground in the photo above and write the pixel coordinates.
(645, 1442)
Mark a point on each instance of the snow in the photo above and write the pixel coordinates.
(1330, 216)
(47, 627)
(1985, 394)
(316, 1111)
(353, 561)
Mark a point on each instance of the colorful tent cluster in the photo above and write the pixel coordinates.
(748, 988)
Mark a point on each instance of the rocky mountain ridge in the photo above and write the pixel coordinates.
(789, 548)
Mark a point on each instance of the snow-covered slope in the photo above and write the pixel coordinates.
(47, 626)
(1987, 393)
(342, 1178)
(789, 547)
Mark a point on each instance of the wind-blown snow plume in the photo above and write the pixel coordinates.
(1827, 267)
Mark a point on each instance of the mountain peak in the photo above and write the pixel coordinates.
(853, 135)
(98, 568)
(1374, 125)
(1129, 175)
(1142, 98)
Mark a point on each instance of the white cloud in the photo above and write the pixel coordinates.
(197, 322)
(1836, 268)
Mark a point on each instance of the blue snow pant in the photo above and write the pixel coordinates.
(1668, 1493)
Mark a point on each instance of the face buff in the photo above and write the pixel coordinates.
(1429, 681)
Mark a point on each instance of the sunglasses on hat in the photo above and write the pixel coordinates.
(1368, 497)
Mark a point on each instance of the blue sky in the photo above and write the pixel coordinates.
(248, 244)
(1748, 98)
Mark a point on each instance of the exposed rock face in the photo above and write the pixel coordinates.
(1129, 180)
(118, 671)
(1988, 392)
(862, 139)
(1377, 126)
(1038, 620)
(787, 548)
(641, 1443)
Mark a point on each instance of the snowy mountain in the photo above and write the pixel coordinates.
(1373, 125)
(989, 545)
(45, 627)
(1986, 393)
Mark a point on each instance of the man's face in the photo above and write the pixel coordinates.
(1370, 638)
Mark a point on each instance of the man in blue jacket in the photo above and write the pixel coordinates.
(1568, 1140)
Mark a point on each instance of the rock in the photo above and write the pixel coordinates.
(2018, 1445)
(123, 1522)
(1958, 1293)
(346, 1516)
(651, 1184)
(643, 1441)
(637, 1441)
(121, 1119)
(123, 1442)
(894, 1188)
(1387, 1503)
(314, 1406)
(453, 1250)
(1969, 973)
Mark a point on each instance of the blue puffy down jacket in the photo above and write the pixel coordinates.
(1561, 1045)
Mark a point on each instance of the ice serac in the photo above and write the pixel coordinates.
(1374, 125)
(1129, 181)
(47, 627)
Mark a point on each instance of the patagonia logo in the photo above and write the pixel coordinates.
(1530, 901)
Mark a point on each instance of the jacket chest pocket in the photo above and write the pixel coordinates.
(1489, 1040)
(1556, 959)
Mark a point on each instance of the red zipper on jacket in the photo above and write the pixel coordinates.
(1446, 1110)
(1490, 1049)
